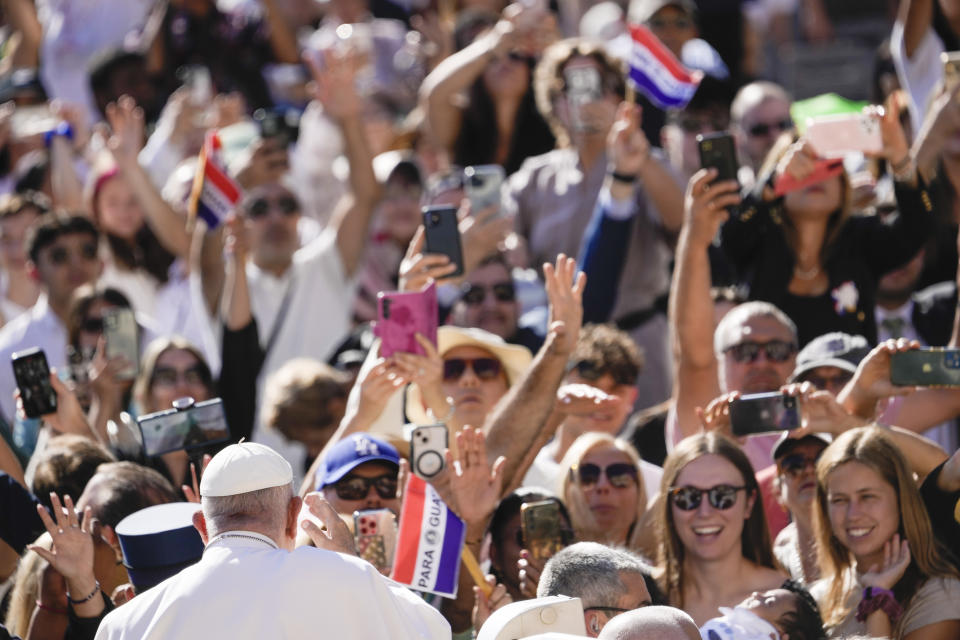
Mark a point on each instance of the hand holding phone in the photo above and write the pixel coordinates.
(541, 527)
(32, 373)
(758, 413)
(187, 426)
(442, 232)
(428, 444)
(835, 136)
(401, 316)
(122, 339)
(375, 536)
(928, 367)
(718, 151)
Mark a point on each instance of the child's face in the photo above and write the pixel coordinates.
(771, 605)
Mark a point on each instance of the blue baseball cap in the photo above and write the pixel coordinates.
(350, 453)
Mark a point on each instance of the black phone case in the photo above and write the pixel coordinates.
(718, 151)
(443, 235)
(926, 368)
(763, 413)
(32, 373)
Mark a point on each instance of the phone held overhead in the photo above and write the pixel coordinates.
(188, 425)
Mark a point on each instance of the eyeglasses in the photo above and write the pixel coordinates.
(357, 487)
(259, 207)
(795, 463)
(722, 496)
(92, 325)
(749, 351)
(619, 474)
(60, 255)
(676, 23)
(592, 371)
(477, 293)
(483, 368)
(764, 128)
(169, 377)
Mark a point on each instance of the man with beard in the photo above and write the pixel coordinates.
(488, 301)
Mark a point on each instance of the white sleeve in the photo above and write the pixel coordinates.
(920, 74)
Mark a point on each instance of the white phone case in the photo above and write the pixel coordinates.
(427, 445)
(835, 136)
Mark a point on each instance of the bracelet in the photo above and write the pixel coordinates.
(43, 607)
(878, 599)
(623, 177)
(63, 129)
(96, 590)
(904, 170)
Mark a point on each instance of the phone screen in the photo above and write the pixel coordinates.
(120, 334)
(763, 413)
(171, 430)
(32, 374)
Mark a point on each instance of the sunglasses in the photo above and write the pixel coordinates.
(663, 23)
(795, 463)
(592, 371)
(60, 255)
(260, 207)
(764, 128)
(749, 351)
(476, 293)
(483, 368)
(169, 377)
(619, 474)
(722, 497)
(357, 488)
(92, 325)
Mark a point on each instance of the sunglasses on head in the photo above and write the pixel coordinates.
(259, 207)
(357, 487)
(477, 293)
(764, 128)
(59, 255)
(592, 371)
(722, 496)
(619, 474)
(483, 368)
(774, 350)
(795, 463)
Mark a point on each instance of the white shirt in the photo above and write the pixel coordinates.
(244, 587)
(905, 313)
(920, 74)
(39, 327)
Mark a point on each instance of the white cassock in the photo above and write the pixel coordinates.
(245, 587)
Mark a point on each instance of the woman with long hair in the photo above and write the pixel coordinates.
(714, 544)
(883, 571)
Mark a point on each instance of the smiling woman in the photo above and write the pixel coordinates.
(867, 501)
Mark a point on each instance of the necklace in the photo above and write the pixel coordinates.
(224, 536)
(806, 274)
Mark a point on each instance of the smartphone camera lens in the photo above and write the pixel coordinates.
(789, 402)
(434, 218)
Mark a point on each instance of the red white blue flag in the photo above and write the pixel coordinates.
(214, 195)
(657, 73)
(429, 543)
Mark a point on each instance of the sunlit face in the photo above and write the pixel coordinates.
(818, 200)
(68, 263)
(119, 213)
(614, 508)
(762, 374)
(272, 213)
(473, 396)
(708, 533)
(176, 374)
(827, 378)
(486, 303)
(373, 499)
(399, 210)
(674, 27)
(760, 127)
(13, 232)
(863, 509)
(771, 605)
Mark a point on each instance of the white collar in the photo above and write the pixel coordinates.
(234, 539)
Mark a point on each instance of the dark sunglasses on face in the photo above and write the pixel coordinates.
(477, 293)
(168, 377)
(592, 371)
(619, 474)
(357, 488)
(483, 368)
(749, 351)
(676, 23)
(92, 325)
(795, 463)
(259, 207)
(722, 496)
(59, 255)
(764, 128)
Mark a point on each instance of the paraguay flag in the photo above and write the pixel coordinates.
(214, 194)
(656, 72)
(429, 542)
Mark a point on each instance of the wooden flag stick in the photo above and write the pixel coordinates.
(474, 568)
(631, 94)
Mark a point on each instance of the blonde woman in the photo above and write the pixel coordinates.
(883, 572)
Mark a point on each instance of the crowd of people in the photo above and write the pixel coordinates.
(207, 431)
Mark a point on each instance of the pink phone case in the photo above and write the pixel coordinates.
(400, 316)
(824, 169)
(834, 136)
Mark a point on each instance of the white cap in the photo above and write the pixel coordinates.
(242, 468)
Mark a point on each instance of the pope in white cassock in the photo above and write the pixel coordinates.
(252, 583)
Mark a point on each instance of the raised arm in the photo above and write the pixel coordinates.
(21, 15)
(916, 16)
(283, 41)
(517, 423)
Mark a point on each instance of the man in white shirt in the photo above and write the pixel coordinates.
(64, 256)
(251, 583)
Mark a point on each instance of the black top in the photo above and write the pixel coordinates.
(866, 247)
(940, 506)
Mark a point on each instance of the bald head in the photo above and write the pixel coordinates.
(651, 623)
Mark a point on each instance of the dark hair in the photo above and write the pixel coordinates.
(805, 623)
(66, 466)
(83, 299)
(605, 349)
(509, 507)
(51, 226)
(102, 68)
(127, 488)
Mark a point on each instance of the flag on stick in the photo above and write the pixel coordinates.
(657, 73)
(214, 194)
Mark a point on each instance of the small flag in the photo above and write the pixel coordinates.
(214, 194)
(657, 73)
(429, 543)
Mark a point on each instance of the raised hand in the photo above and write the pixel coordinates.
(335, 84)
(263, 162)
(332, 534)
(529, 574)
(69, 417)
(820, 411)
(72, 551)
(627, 146)
(704, 205)
(799, 161)
(74, 115)
(426, 371)
(716, 417)
(896, 559)
(584, 400)
(564, 287)
(896, 149)
(236, 242)
(126, 127)
(192, 494)
(871, 382)
(474, 483)
(418, 269)
(486, 605)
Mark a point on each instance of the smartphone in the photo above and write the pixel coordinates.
(197, 425)
(32, 373)
(32, 120)
(121, 335)
(284, 126)
(443, 234)
(375, 535)
(400, 316)
(929, 367)
(763, 413)
(541, 527)
(718, 151)
(482, 184)
(196, 78)
(951, 69)
(583, 86)
(834, 136)
(427, 446)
